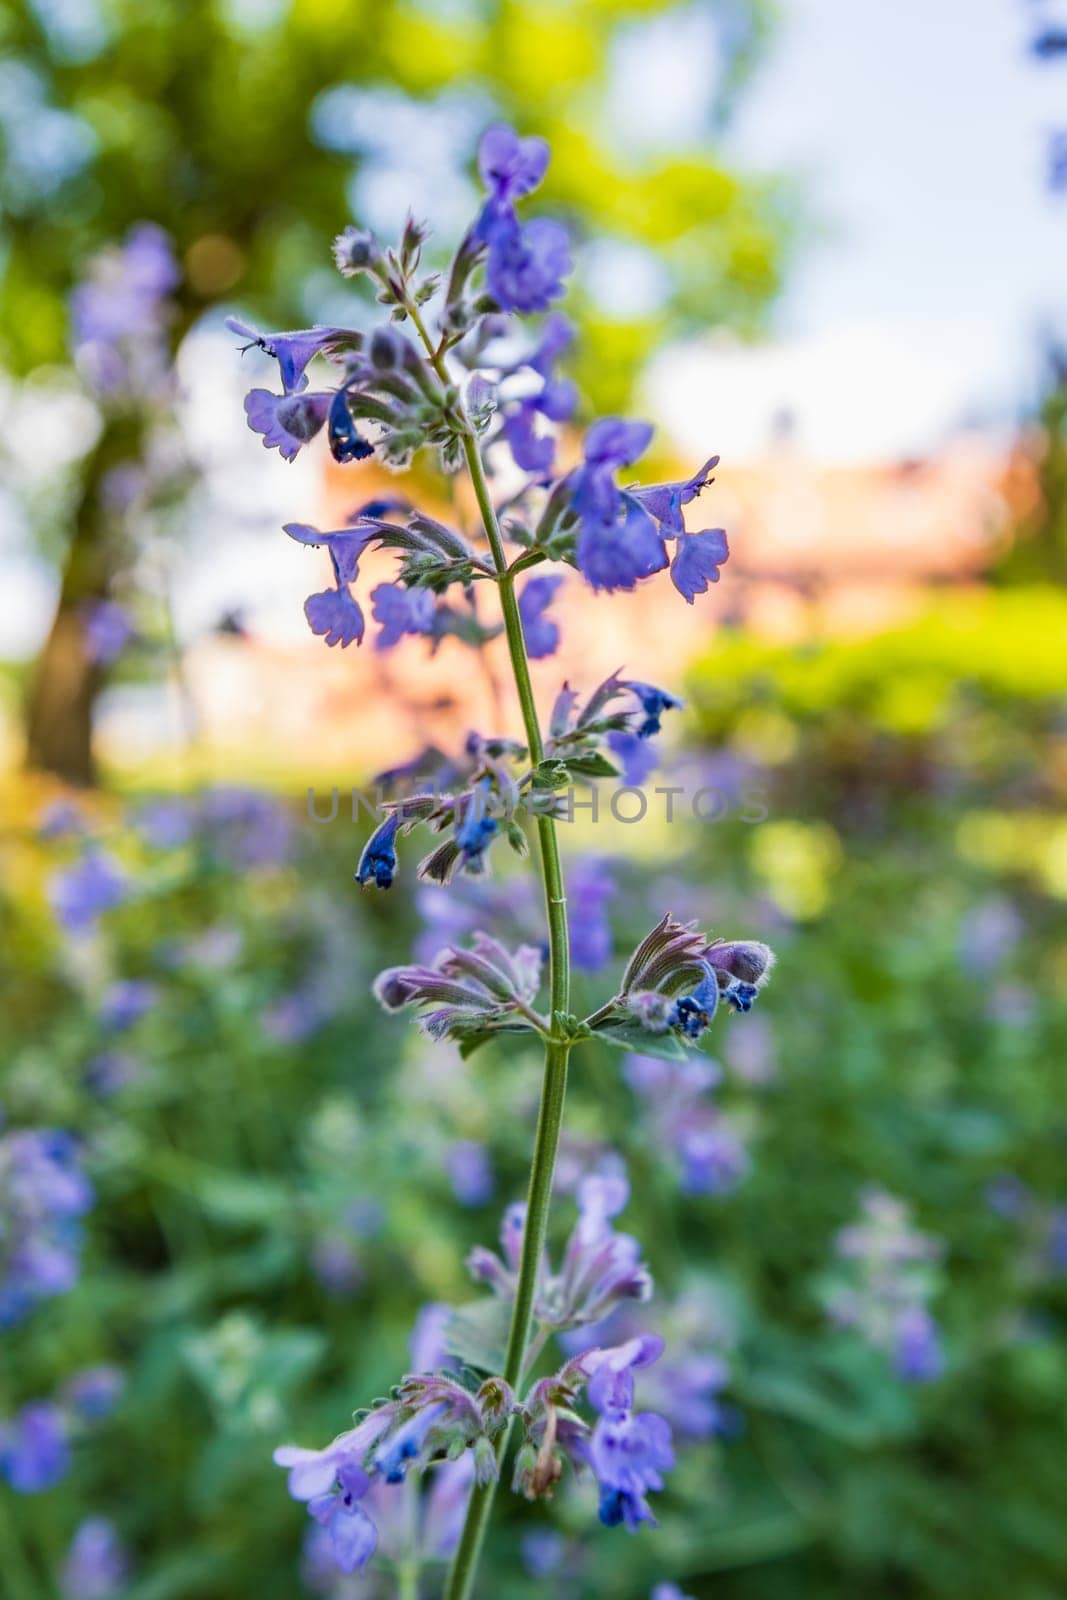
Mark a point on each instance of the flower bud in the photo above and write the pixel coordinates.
(747, 960)
(356, 250)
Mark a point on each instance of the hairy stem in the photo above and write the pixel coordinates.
(554, 1083)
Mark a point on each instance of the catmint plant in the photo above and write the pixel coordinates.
(448, 372)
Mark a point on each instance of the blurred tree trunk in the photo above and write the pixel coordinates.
(66, 682)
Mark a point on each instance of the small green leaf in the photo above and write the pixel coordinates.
(631, 1036)
(477, 1333)
(551, 775)
(591, 766)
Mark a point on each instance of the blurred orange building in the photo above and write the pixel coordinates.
(814, 549)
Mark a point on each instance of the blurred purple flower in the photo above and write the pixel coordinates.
(111, 1071)
(60, 819)
(34, 1449)
(527, 263)
(246, 827)
(43, 1194)
(97, 1564)
(126, 1002)
(590, 888)
(108, 629)
(166, 824)
(989, 934)
(470, 1172)
(81, 893)
(94, 1392)
(917, 1354)
(542, 1550)
(542, 635)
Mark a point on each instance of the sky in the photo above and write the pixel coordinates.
(919, 131)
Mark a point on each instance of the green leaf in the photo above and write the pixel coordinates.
(476, 1334)
(592, 766)
(631, 1036)
(551, 775)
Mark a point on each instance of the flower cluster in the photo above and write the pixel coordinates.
(35, 1444)
(672, 986)
(390, 399)
(495, 786)
(628, 1451)
(448, 374)
(44, 1193)
(600, 1267)
(884, 1284)
(120, 315)
(471, 994)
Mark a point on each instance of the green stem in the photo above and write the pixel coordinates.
(554, 1083)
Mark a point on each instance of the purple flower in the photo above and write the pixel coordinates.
(286, 421)
(335, 616)
(353, 1536)
(590, 887)
(119, 314)
(345, 545)
(654, 702)
(617, 554)
(621, 533)
(555, 400)
(294, 350)
(295, 1016)
(166, 824)
(713, 1159)
(378, 862)
(405, 1444)
(600, 1267)
(664, 501)
(609, 444)
(332, 1483)
(682, 1117)
(249, 829)
(97, 1565)
(43, 1193)
(542, 1550)
(509, 166)
(94, 1392)
(691, 1014)
(635, 755)
(108, 630)
(470, 1172)
(527, 263)
(83, 892)
(346, 441)
(917, 1353)
(629, 1453)
(34, 1449)
(60, 819)
(668, 1591)
(400, 611)
(125, 1003)
(542, 635)
(110, 1071)
(697, 559)
(611, 1372)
